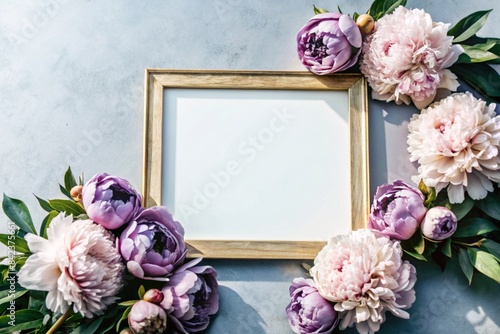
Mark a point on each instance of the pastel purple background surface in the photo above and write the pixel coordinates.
(71, 93)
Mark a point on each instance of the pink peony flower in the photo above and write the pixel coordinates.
(406, 58)
(456, 141)
(363, 273)
(146, 317)
(78, 265)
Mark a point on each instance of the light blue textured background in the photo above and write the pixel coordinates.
(71, 93)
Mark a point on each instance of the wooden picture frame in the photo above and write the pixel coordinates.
(159, 81)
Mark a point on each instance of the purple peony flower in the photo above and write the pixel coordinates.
(329, 43)
(190, 297)
(153, 244)
(308, 312)
(146, 317)
(439, 223)
(397, 210)
(110, 201)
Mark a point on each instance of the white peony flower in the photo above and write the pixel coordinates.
(406, 58)
(363, 273)
(456, 141)
(78, 265)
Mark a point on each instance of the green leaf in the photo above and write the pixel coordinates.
(141, 291)
(490, 205)
(485, 43)
(485, 263)
(465, 264)
(6, 296)
(418, 243)
(18, 213)
(123, 317)
(481, 77)
(355, 16)
(474, 227)
(380, 8)
(462, 209)
(491, 247)
(24, 319)
(44, 204)
(65, 192)
(37, 300)
(46, 223)
(474, 54)
(70, 207)
(415, 255)
(429, 193)
(468, 26)
(89, 328)
(13, 241)
(128, 303)
(318, 10)
(446, 247)
(431, 197)
(69, 180)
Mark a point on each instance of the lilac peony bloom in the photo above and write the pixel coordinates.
(146, 317)
(397, 210)
(329, 43)
(110, 201)
(153, 244)
(439, 223)
(190, 297)
(308, 312)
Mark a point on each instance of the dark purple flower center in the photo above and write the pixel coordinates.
(446, 225)
(316, 46)
(159, 242)
(119, 194)
(200, 303)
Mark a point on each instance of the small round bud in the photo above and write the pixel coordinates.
(76, 193)
(126, 331)
(366, 23)
(153, 296)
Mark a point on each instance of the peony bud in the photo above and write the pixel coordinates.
(439, 223)
(76, 193)
(145, 317)
(153, 296)
(365, 23)
(126, 331)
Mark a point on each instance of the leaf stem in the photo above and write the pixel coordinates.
(60, 321)
(475, 244)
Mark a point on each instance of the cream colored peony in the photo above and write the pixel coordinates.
(363, 273)
(406, 58)
(456, 141)
(78, 265)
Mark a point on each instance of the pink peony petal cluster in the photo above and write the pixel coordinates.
(363, 274)
(406, 58)
(78, 265)
(456, 141)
